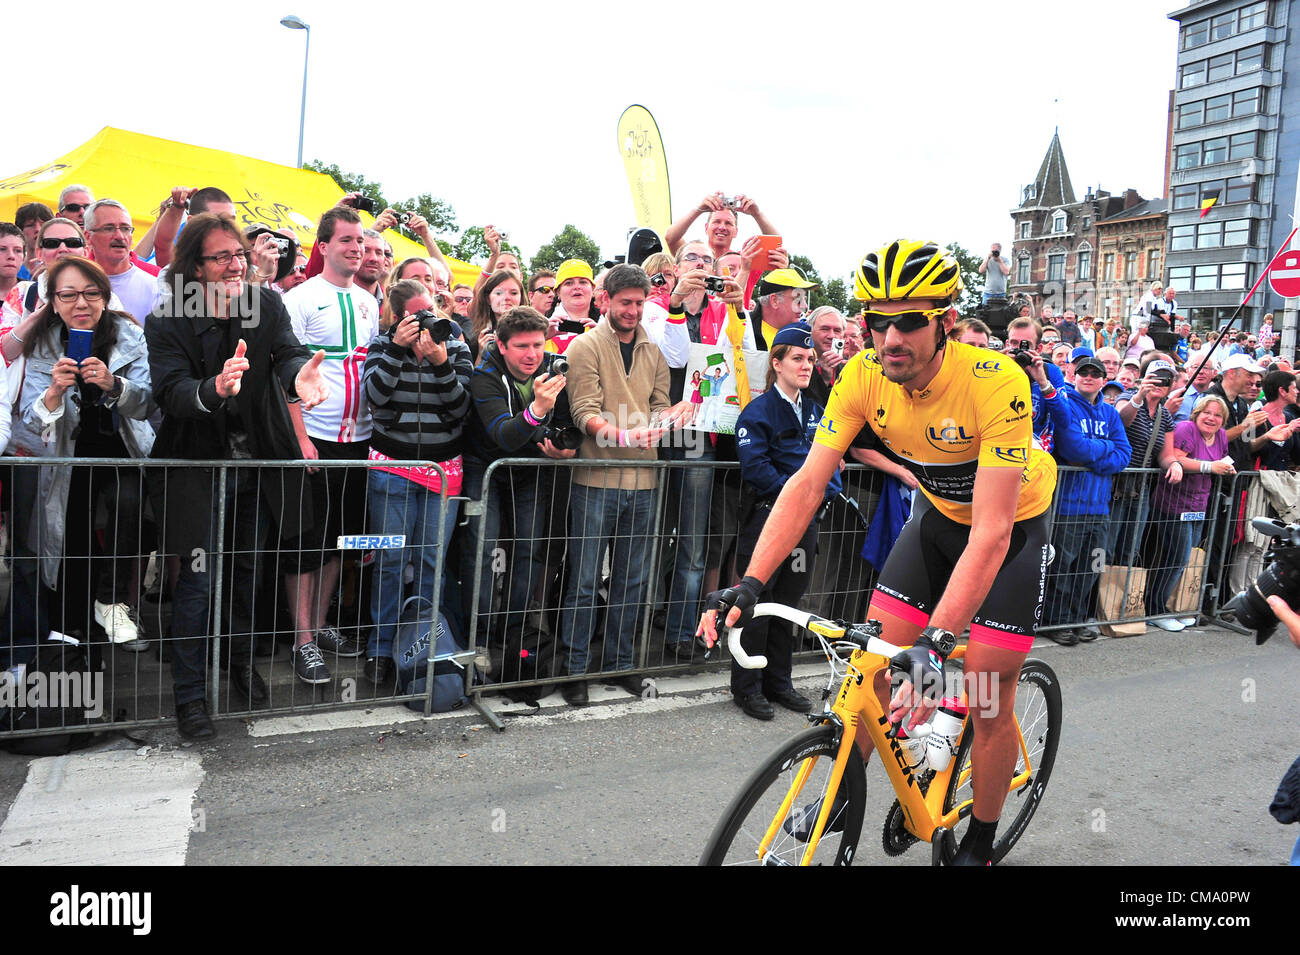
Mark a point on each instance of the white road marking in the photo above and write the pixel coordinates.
(108, 808)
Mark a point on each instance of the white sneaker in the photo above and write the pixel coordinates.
(1187, 621)
(1168, 623)
(116, 621)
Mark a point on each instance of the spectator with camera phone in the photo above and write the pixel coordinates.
(575, 309)
(417, 382)
(720, 229)
(692, 311)
(520, 410)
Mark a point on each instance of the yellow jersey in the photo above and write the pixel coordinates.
(975, 413)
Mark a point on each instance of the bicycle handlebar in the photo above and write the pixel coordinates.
(800, 618)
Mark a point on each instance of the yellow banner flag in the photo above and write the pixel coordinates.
(647, 168)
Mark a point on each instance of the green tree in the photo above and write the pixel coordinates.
(837, 294)
(971, 280)
(439, 214)
(472, 247)
(351, 182)
(834, 293)
(569, 243)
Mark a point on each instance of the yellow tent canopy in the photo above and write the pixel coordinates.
(140, 171)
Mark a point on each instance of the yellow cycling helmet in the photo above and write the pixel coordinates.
(908, 268)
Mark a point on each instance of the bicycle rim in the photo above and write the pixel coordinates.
(758, 808)
(1038, 718)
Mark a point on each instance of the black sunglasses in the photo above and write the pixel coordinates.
(904, 321)
(73, 242)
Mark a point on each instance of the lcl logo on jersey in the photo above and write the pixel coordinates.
(949, 437)
(986, 369)
(1012, 455)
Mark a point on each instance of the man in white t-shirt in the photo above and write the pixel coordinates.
(109, 230)
(330, 312)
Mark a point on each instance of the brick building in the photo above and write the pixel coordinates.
(1130, 254)
(1054, 253)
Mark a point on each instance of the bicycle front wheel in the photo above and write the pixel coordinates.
(781, 800)
(1038, 718)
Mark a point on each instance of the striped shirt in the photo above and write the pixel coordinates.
(1139, 432)
(341, 322)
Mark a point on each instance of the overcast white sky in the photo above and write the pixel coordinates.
(849, 123)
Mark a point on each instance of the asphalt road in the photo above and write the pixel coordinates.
(1173, 747)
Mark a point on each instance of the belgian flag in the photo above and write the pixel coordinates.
(1208, 200)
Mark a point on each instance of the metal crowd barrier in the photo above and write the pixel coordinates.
(215, 550)
(548, 578)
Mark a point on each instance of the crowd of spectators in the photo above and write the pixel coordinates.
(351, 357)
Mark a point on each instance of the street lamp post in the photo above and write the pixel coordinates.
(296, 23)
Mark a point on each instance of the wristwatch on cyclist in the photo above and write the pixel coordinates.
(942, 640)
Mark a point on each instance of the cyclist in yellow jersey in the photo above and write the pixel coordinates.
(974, 552)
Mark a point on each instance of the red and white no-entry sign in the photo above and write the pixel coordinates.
(1284, 273)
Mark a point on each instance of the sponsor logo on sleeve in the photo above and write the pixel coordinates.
(1012, 455)
(987, 369)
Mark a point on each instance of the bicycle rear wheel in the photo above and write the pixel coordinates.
(1038, 715)
(740, 832)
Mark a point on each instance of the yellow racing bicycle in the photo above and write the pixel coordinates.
(765, 823)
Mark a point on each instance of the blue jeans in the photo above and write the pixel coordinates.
(400, 506)
(690, 493)
(525, 492)
(1076, 539)
(619, 520)
(246, 526)
(1127, 517)
(1176, 539)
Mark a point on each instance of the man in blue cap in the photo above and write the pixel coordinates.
(1089, 434)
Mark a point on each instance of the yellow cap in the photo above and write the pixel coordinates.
(573, 269)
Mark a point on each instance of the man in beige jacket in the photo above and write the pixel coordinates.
(618, 394)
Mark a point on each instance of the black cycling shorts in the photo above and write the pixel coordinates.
(919, 566)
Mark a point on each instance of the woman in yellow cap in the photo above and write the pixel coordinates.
(575, 302)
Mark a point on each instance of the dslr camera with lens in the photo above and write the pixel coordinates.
(439, 329)
(1024, 355)
(567, 438)
(1280, 576)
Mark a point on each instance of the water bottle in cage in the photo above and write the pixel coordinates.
(945, 731)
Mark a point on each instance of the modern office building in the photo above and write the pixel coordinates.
(1234, 154)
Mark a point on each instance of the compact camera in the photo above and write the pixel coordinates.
(560, 366)
(715, 284)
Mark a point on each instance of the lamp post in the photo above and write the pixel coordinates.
(296, 23)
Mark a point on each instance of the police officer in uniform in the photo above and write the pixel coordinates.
(773, 436)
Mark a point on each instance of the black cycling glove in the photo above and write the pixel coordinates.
(922, 663)
(744, 595)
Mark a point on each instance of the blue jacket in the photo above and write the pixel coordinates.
(772, 443)
(1091, 436)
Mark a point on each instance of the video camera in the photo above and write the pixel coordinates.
(1280, 576)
